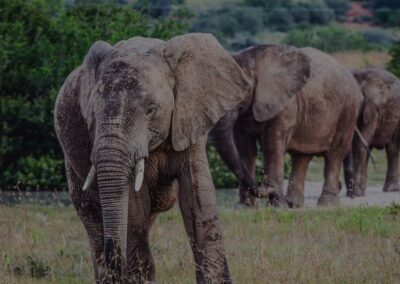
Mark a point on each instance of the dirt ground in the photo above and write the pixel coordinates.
(374, 196)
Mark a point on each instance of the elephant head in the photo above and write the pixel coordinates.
(142, 93)
(278, 73)
(377, 122)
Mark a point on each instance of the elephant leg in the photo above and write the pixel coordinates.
(247, 149)
(392, 175)
(331, 188)
(274, 143)
(198, 204)
(140, 264)
(360, 172)
(87, 205)
(348, 173)
(295, 194)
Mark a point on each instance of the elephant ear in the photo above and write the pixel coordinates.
(96, 54)
(280, 72)
(208, 84)
(91, 69)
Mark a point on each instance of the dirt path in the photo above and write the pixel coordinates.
(374, 196)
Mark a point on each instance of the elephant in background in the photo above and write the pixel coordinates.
(379, 126)
(133, 121)
(302, 101)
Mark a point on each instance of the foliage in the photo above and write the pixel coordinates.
(394, 64)
(330, 39)
(387, 16)
(280, 19)
(229, 20)
(222, 176)
(340, 8)
(41, 42)
(156, 8)
(393, 4)
(320, 14)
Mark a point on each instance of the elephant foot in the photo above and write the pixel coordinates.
(246, 199)
(329, 199)
(276, 200)
(350, 188)
(294, 200)
(358, 192)
(391, 186)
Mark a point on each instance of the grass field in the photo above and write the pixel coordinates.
(359, 245)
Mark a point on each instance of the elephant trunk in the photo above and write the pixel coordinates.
(115, 164)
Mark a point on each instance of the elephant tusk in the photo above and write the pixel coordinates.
(139, 174)
(90, 179)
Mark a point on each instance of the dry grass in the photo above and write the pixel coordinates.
(360, 245)
(355, 59)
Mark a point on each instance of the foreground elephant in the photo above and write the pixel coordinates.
(132, 121)
(302, 101)
(379, 124)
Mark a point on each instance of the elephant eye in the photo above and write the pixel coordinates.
(151, 111)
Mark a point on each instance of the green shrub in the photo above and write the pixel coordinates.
(379, 37)
(329, 39)
(41, 42)
(340, 8)
(394, 64)
(227, 21)
(393, 4)
(280, 19)
(300, 13)
(320, 14)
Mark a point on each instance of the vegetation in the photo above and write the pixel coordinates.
(343, 245)
(394, 64)
(41, 42)
(332, 38)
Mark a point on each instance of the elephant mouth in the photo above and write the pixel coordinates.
(138, 172)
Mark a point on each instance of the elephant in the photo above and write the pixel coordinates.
(132, 122)
(303, 102)
(379, 127)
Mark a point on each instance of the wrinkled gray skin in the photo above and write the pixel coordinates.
(303, 102)
(145, 98)
(379, 124)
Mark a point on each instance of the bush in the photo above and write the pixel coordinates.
(379, 37)
(41, 42)
(340, 8)
(300, 13)
(320, 14)
(280, 19)
(227, 21)
(388, 17)
(393, 4)
(329, 39)
(394, 64)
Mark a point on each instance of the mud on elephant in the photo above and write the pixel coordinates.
(379, 126)
(132, 121)
(302, 101)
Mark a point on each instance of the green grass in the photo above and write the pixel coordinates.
(342, 245)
